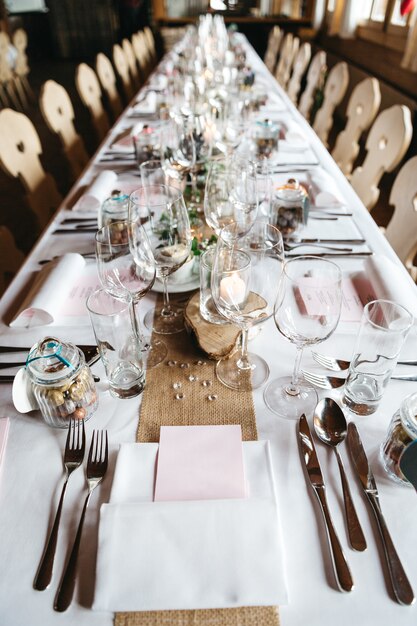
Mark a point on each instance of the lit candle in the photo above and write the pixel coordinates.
(232, 289)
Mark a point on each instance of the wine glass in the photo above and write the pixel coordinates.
(230, 195)
(264, 250)
(128, 277)
(161, 211)
(307, 312)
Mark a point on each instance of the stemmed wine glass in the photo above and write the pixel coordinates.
(307, 312)
(245, 279)
(128, 277)
(161, 211)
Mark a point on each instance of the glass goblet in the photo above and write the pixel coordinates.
(264, 248)
(162, 212)
(128, 277)
(307, 312)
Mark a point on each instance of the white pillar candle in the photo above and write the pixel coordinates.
(232, 289)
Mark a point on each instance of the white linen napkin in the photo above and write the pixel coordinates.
(98, 191)
(50, 288)
(124, 142)
(324, 192)
(147, 106)
(188, 554)
(294, 138)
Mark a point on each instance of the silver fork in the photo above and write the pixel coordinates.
(294, 246)
(96, 469)
(338, 365)
(73, 457)
(334, 382)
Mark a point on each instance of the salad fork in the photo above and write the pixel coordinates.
(73, 457)
(338, 365)
(334, 382)
(96, 469)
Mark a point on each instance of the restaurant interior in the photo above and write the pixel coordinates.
(194, 195)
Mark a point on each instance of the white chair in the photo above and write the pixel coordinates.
(131, 61)
(387, 143)
(361, 111)
(21, 68)
(314, 75)
(20, 149)
(8, 93)
(300, 65)
(287, 57)
(11, 258)
(89, 90)
(107, 78)
(122, 69)
(401, 231)
(150, 42)
(274, 42)
(58, 113)
(334, 91)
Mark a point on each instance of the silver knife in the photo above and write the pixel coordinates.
(400, 583)
(295, 255)
(341, 568)
(320, 240)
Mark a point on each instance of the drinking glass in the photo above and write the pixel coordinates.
(128, 277)
(263, 247)
(162, 212)
(384, 328)
(306, 312)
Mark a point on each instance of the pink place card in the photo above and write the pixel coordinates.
(4, 431)
(200, 463)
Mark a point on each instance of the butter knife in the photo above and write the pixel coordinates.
(400, 583)
(341, 568)
(322, 240)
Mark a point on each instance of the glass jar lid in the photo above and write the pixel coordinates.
(266, 129)
(408, 414)
(52, 360)
(290, 194)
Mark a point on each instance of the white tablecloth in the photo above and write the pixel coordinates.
(31, 475)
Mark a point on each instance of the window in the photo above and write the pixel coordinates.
(383, 23)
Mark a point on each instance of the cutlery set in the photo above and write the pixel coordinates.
(330, 427)
(95, 472)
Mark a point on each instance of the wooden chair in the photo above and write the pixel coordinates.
(11, 258)
(361, 111)
(21, 69)
(387, 142)
(274, 42)
(314, 74)
(150, 39)
(8, 95)
(401, 232)
(289, 51)
(122, 69)
(131, 61)
(107, 77)
(89, 91)
(141, 54)
(334, 91)
(20, 149)
(300, 65)
(58, 113)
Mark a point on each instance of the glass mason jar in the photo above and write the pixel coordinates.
(290, 208)
(266, 134)
(62, 383)
(401, 432)
(114, 209)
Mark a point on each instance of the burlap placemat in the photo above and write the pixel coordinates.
(187, 374)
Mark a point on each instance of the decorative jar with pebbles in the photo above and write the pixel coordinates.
(401, 433)
(62, 383)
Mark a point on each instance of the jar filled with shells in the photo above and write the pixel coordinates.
(62, 382)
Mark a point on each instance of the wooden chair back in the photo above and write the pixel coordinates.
(131, 61)
(334, 91)
(58, 113)
(300, 65)
(8, 95)
(107, 78)
(387, 143)
(21, 68)
(122, 69)
(150, 41)
(11, 258)
(361, 111)
(314, 74)
(289, 51)
(401, 232)
(20, 149)
(141, 54)
(274, 42)
(89, 91)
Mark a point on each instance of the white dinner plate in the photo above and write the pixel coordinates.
(177, 287)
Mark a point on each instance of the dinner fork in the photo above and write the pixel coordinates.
(334, 382)
(339, 365)
(73, 457)
(96, 469)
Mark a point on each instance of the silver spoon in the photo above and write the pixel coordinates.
(331, 428)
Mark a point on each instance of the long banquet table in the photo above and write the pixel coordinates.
(31, 473)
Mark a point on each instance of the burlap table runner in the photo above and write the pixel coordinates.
(187, 366)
